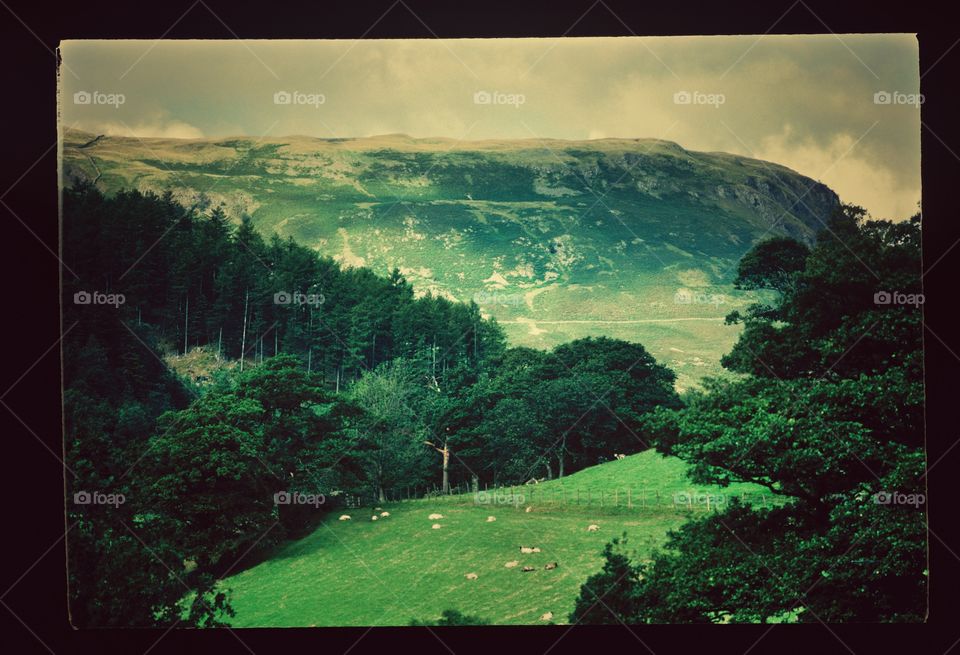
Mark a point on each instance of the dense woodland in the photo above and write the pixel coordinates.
(356, 394)
(353, 390)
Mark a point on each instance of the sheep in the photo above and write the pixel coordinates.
(377, 509)
(535, 550)
(551, 566)
(593, 527)
(434, 517)
(436, 526)
(619, 456)
(344, 517)
(546, 616)
(529, 509)
(510, 565)
(526, 550)
(374, 517)
(384, 514)
(471, 576)
(527, 569)
(491, 519)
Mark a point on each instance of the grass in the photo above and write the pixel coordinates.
(387, 572)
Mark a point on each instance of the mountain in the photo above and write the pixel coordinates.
(633, 238)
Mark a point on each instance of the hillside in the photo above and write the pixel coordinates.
(636, 239)
(361, 572)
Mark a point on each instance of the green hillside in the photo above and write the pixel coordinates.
(632, 238)
(398, 568)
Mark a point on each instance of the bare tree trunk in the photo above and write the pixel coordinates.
(446, 468)
(243, 338)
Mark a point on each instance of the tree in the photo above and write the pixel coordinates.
(609, 597)
(829, 416)
(452, 617)
(391, 427)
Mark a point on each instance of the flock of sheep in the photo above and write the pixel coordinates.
(525, 550)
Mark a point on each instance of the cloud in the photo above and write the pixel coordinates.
(157, 127)
(799, 100)
(845, 168)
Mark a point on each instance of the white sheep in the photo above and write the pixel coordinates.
(510, 565)
(526, 550)
(593, 527)
(436, 526)
(535, 549)
(546, 616)
(434, 517)
(529, 509)
(384, 514)
(471, 576)
(345, 517)
(374, 517)
(491, 519)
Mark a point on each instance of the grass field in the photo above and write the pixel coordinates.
(387, 572)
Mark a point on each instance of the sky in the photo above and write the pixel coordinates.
(841, 109)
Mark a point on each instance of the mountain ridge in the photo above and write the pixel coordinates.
(598, 233)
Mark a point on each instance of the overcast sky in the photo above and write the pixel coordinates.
(808, 102)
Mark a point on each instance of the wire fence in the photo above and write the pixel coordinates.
(522, 496)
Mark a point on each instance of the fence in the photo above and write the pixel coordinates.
(559, 495)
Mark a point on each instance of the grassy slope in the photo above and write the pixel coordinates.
(390, 571)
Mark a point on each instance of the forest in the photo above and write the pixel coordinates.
(346, 383)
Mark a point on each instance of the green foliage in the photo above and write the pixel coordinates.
(452, 617)
(609, 597)
(772, 264)
(573, 407)
(830, 415)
